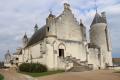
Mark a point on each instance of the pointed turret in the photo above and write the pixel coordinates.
(25, 40)
(50, 25)
(50, 18)
(7, 57)
(36, 28)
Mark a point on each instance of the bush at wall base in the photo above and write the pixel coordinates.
(33, 67)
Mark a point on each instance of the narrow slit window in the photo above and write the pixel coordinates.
(48, 29)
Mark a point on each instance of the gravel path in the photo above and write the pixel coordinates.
(87, 75)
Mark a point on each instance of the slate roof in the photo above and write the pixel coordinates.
(37, 36)
(98, 19)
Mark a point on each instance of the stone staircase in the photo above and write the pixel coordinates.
(78, 66)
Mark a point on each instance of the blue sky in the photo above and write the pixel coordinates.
(20, 16)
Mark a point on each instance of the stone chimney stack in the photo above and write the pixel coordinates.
(66, 6)
(103, 14)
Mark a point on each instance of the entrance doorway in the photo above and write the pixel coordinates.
(61, 53)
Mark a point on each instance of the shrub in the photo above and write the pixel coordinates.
(33, 67)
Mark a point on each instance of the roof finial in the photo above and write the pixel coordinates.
(96, 7)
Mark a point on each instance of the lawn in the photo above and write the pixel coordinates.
(1, 77)
(117, 71)
(43, 73)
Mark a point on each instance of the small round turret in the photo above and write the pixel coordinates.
(25, 40)
(36, 28)
(50, 25)
(7, 57)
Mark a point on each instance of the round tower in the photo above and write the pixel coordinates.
(99, 36)
(50, 25)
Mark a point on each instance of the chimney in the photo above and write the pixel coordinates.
(103, 14)
(66, 6)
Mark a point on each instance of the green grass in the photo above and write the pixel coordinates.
(43, 73)
(1, 77)
(117, 71)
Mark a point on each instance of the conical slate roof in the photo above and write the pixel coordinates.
(98, 19)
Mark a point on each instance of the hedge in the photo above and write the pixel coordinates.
(33, 67)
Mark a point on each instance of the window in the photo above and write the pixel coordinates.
(61, 52)
(17, 58)
(48, 29)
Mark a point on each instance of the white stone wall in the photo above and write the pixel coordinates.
(67, 27)
(34, 53)
(73, 49)
(98, 35)
(93, 58)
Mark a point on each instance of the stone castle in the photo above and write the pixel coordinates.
(62, 44)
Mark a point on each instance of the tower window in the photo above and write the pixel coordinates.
(17, 58)
(48, 29)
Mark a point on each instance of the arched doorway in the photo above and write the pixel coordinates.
(61, 50)
(61, 53)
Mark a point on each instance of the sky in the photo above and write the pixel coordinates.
(20, 16)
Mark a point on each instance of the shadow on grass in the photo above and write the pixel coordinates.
(42, 73)
(117, 71)
(1, 77)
